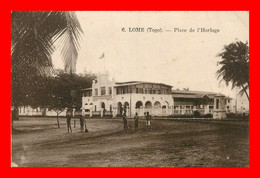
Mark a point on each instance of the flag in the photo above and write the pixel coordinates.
(102, 56)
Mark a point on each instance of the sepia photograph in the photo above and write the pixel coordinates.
(129, 89)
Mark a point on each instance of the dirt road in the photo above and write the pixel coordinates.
(37, 142)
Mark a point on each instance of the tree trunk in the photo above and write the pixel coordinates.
(58, 122)
(14, 115)
(12, 119)
(245, 92)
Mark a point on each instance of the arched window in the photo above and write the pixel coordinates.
(138, 104)
(157, 104)
(148, 104)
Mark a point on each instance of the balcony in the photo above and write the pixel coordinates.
(95, 98)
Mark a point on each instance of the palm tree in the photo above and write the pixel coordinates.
(34, 35)
(235, 66)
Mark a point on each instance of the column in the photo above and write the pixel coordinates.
(91, 111)
(114, 111)
(142, 110)
(102, 112)
(127, 111)
(184, 109)
(83, 111)
(206, 109)
(215, 104)
(73, 112)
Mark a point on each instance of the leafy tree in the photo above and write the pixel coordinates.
(33, 35)
(235, 66)
(59, 92)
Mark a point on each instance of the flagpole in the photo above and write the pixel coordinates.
(104, 65)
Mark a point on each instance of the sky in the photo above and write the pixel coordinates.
(181, 59)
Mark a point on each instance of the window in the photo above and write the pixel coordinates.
(110, 90)
(159, 91)
(96, 92)
(87, 93)
(119, 91)
(217, 103)
(139, 90)
(103, 90)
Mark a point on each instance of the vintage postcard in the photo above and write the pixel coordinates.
(130, 88)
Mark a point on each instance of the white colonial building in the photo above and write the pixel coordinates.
(107, 97)
(110, 98)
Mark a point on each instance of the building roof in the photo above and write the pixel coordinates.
(137, 82)
(86, 89)
(192, 94)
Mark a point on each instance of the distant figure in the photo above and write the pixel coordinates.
(136, 118)
(68, 123)
(82, 121)
(125, 121)
(148, 121)
(86, 130)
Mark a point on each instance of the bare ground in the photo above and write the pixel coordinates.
(37, 142)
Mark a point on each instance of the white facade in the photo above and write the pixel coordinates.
(29, 111)
(110, 97)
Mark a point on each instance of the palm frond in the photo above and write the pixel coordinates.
(31, 43)
(234, 64)
(33, 34)
(243, 90)
(68, 40)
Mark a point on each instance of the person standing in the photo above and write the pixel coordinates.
(148, 121)
(81, 120)
(136, 118)
(69, 123)
(125, 121)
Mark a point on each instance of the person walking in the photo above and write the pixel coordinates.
(81, 120)
(125, 121)
(136, 118)
(69, 123)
